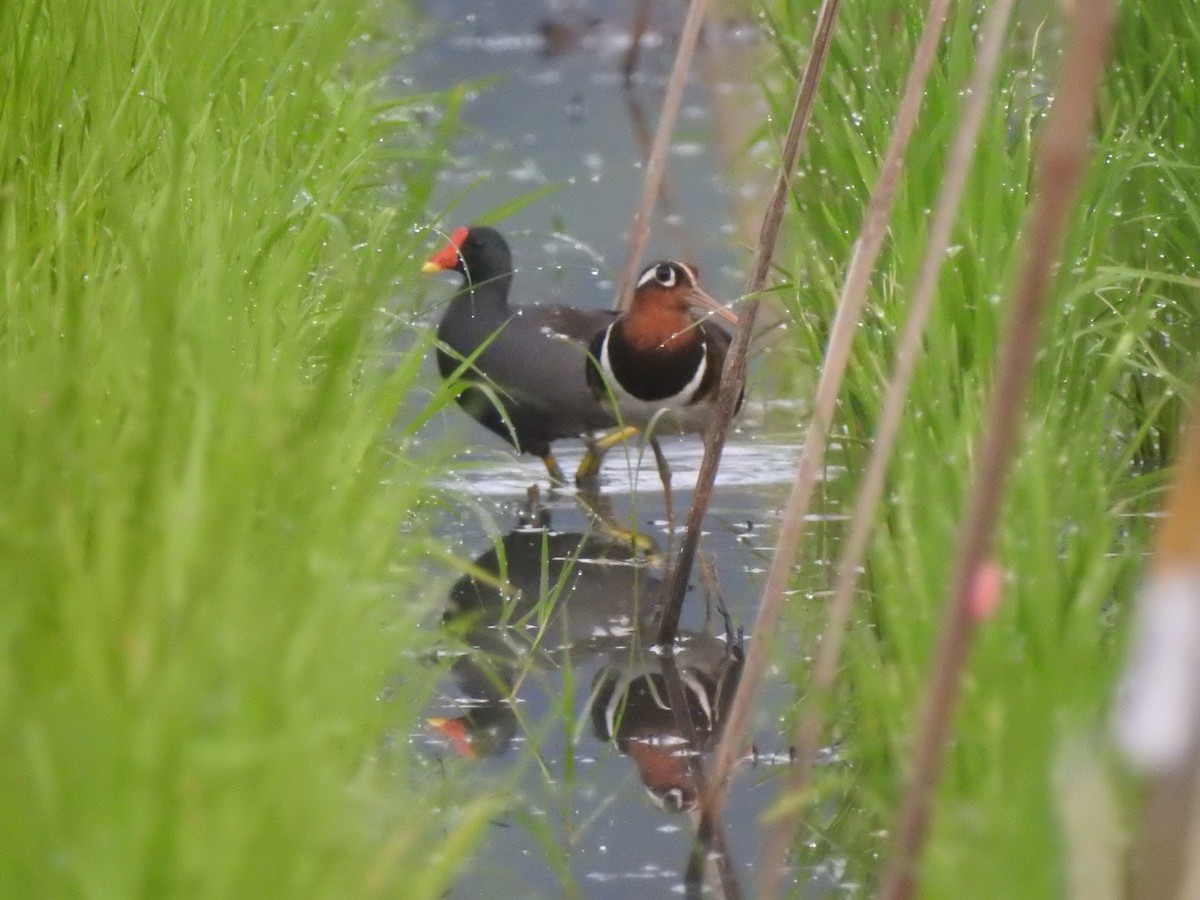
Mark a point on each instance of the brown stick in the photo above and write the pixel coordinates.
(850, 304)
(1062, 158)
(673, 225)
(639, 226)
(958, 167)
(1163, 857)
(733, 378)
(641, 21)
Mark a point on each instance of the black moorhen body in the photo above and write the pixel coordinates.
(533, 357)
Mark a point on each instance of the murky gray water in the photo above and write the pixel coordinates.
(598, 782)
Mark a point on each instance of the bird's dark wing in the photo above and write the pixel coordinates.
(579, 324)
(538, 362)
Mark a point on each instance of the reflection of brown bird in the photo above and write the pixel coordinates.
(631, 707)
(603, 606)
(560, 38)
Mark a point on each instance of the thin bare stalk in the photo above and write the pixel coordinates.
(672, 225)
(1062, 159)
(710, 850)
(958, 167)
(1164, 860)
(641, 20)
(639, 226)
(1164, 846)
(850, 304)
(733, 378)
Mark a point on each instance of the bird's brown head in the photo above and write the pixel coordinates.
(666, 298)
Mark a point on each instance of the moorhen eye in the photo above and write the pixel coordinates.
(665, 275)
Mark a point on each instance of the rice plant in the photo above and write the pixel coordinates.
(208, 538)
(1120, 349)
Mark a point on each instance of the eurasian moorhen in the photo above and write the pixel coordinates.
(532, 358)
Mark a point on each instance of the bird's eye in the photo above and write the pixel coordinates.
(665, 275)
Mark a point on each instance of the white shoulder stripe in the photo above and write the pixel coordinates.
(605, 362)
(684, 397)
(688, 394)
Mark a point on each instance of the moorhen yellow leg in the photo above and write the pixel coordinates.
(554, 470)
(589, 466)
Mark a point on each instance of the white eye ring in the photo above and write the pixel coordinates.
(663, 274)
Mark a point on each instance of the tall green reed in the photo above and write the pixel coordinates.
(1104, 407)
(207, 547)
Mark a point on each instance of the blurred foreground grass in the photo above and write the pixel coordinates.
(206, 552)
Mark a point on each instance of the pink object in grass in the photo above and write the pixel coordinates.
(984, 595)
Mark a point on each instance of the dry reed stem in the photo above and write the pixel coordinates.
(958, 167)
(733, 378)
(639, 226)
(850, 304)
(1164, 861)
(641, 20)
(1062, 158)
(672, 225)
(710, 850)
(1164, 847)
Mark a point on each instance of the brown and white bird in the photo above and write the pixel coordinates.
(658, 366)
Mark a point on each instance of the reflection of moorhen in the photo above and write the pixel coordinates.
(598, 595)
(530, 358)
(540, 595)
(486, 730)
(632, 707)
(599, 603)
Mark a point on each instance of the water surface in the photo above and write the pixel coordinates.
(589, 745)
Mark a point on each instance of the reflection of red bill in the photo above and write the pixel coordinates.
(454, 731)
